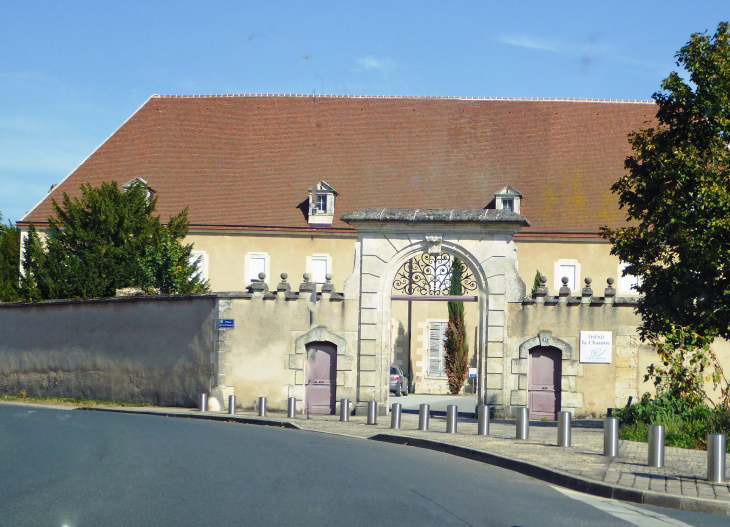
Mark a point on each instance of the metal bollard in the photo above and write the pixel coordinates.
(716, 458)
(345, 410)
(395, 416)
(452, 418)
(656, 446)
(372, 413)
(231, 404)
(423, 415)
(564, 429)
(291, 408)
(203, 406)
(483, 425)
(610, 437)
(262, 406)
(523, 423)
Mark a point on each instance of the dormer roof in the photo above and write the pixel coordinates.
(508, 191)
(322, 185)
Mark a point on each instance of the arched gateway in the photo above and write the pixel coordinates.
(387, 238)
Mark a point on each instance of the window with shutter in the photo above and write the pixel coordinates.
(436, 348)
(319, 269)
(628, 283)
(569, 269)
(569, 272)
(256, 265)
(200, 260)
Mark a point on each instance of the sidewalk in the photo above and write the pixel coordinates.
(682, 484)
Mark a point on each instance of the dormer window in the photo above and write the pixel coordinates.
(322, 205)
(507, 198)
(143, 183)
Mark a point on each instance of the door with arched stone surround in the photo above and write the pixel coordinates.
(321, 377)
(543, 398)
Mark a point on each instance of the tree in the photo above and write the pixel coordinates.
(106, 240)
(9, 262)
(536, 283)
(677, 197)
(457, 350)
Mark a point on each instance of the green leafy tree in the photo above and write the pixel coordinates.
(9, 262)
(677, 197)
(108, 239)
(457, 350)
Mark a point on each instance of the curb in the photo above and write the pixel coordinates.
(568, 481)
(555, 477)
(204, 416)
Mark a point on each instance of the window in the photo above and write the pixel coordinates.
(200, 258)
(507, 198)
(436, 348)
(569, 269)
(321, 203)
(256, 263)
(627, 284)
(318, 266)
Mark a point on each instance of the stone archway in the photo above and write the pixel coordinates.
(387, 238)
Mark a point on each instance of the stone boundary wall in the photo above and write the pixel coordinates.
(167, 350)
(140, 349)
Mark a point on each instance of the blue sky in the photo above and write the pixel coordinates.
(73, 72)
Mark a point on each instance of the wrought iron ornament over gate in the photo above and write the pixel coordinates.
(428, 274)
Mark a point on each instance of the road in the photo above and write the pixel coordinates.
(74, 468)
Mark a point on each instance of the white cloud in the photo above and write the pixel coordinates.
(527, 41)
(369, 62)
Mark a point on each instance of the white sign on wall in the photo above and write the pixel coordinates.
(595, 347)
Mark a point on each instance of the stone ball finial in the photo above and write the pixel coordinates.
(262, 276)
(306, 277)
(543, 279)
(284, 276)
(588, 281)
(564, 280)
(610, 282)
(328, 277)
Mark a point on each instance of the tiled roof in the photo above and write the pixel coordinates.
(247, 161)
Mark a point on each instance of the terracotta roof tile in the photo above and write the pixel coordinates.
(247, 161)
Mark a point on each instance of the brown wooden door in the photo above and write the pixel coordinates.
(544, 383)
(321, 377)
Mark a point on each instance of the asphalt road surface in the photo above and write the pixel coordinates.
(78, 468)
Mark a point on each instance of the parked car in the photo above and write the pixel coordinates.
(398, 381)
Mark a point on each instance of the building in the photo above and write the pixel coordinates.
(301, 184)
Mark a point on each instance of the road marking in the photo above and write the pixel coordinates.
(624, 511)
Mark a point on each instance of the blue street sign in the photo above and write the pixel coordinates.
(225, 323)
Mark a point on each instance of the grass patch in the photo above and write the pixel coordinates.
(70, 401)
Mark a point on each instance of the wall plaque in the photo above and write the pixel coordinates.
(596, 346)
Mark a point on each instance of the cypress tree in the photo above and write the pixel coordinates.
(457, 350)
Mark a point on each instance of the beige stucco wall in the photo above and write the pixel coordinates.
(263, 355)
(586, 388)
(593, 255)
(287, 254)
